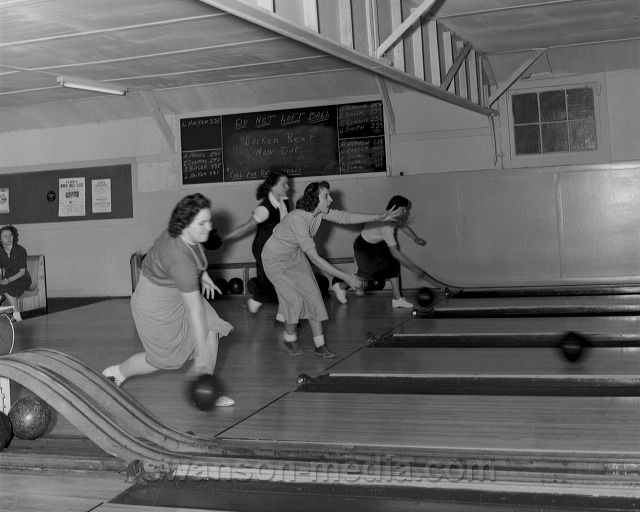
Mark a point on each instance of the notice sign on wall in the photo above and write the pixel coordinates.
(101, 195)
(71, 197)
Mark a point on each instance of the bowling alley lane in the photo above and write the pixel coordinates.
(609, 330)
(591, 423)
(539, 306)
(618, 362)
(552, 425)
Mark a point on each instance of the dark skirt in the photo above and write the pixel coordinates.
(374, 261)
(18, 287)
(264, 292)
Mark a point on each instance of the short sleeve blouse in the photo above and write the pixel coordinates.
(174, 263)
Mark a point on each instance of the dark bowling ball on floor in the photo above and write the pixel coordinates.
(30, 417)
(303, 379)
(573, 346)
(252, 284)
(375, 284)
(425, 297)
(204, 391)
(323, 284)
(5, 430)
(236, 286)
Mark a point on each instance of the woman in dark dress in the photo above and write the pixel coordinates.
(272, 194)
(13, 261)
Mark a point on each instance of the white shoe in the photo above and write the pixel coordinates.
(253, 306)
(341, 294)
(114, 375)
(401, 303)
(224, 401)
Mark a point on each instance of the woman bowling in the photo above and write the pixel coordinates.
(286, 257)
(378, 256)
(174, 321)
(272, 194)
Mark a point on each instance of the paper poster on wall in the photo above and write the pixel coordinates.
(4, 200)
(101, 196)
(71, 197)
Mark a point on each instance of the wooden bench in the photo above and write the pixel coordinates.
(35, 297)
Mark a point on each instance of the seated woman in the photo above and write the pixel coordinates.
(13, 261)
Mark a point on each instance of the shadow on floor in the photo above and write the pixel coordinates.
(64, 303)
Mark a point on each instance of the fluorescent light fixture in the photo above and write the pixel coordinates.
(90, 85)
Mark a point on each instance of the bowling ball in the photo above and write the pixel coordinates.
(323, 284)
(425, 297)
(5, 430)
(236, 286)
(376, 284)
(221, 283)
(252, 284)
(204, 390)
(30, 417)
(573, 346)
(213, 242)
(303, 379)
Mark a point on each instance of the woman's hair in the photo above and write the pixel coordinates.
(265, 187)
(185, 211)
(13, 230)
(310, 198)
(398, 202)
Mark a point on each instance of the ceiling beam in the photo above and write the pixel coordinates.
(514, 76)
(158, 117)
(404, 26)
(455, 67)
(279, 25)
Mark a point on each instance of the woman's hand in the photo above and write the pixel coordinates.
(208, 288)
(209, 291)
(354, 281)
(4, 281)
(393, 214)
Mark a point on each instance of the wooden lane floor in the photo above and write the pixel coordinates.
(475, 425)
(556, 430)
(544, 291)
(618, 362)
(513, 331)
(608, 372)
(256, 371)
(251, 362)
(579, 305)
(472, 420)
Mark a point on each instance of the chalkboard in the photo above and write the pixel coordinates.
(310, 141)
(201, 149)
(34, 197)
